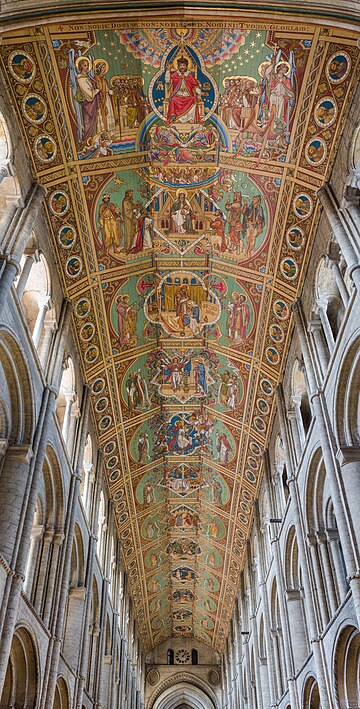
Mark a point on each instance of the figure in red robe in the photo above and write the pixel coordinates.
(185, 94)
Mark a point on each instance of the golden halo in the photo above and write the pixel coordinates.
(181, 190)
(117, 76)
(283, 62)
(263, 65)
(101, 61)
(80, 59)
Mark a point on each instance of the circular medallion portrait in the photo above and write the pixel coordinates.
(67, 236)
(105, 423)
(255, 448)
(91, 354)
(276, 333)
(45, 148)
(34, 108)
(59, 203)
(288, 268)
(295, 238)
(250, 476)
(325, 112)
(266, 387)
(302, 205)
(315, 151)
(82, 308)
(272, 355)
(114, 476)
(87, 332)
(109, 447)
(281, 310)
(338, 67)
(22, 67)
(73, 266)
(101, 404)
(112, 462)
(259, 423)
(97, 387)
(263, 406)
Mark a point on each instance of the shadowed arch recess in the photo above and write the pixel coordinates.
(182, 241)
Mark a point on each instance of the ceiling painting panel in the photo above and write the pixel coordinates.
(181, 161)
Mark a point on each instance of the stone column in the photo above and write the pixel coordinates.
(16, 242)
(64, 572)
(328, 574)
(295, 436)
(84, 656)
(6, 224)
(351, 196)
(327, 200)
(25, 273)
(299, 529)
(48, 537)
(334, 542)
(326, 438)
(263, 592)
(319, 585)
(40, 320)
(316, 330)
(48, 607)
(35, 541)
(321, 310)
(45, 345)
(333, 259)
(104, 603)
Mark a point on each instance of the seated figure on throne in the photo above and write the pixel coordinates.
(184, 94)
(181, 215)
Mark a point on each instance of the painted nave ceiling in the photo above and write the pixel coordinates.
(181, 162)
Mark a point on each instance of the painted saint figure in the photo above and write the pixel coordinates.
(254, 222)
(223, 448)
(180, 215)
(110, 222)
(129, 212)
(239, 318)
(126, 319)
(185, 94)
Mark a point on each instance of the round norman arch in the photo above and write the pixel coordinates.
(183, 689)
(183, 695)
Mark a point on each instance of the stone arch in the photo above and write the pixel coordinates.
(346, 665)
(22, 675)
(300, 398)
(61, 698)
(347, 396)
(16, 397)
(36, 298)
(328, 302)
(67, 402)
(9, 184)
(311, 697)
(183, 688)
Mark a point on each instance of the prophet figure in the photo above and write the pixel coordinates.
(223, 448)
(126, 321)
(88, 94)
(185, 94)
(254, 222)
(106, 117)
(110, 222)
(129, 211)
(239, 318)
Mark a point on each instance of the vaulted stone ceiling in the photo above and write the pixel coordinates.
(181, 160)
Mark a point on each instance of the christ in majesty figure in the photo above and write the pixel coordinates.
(185, 94)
